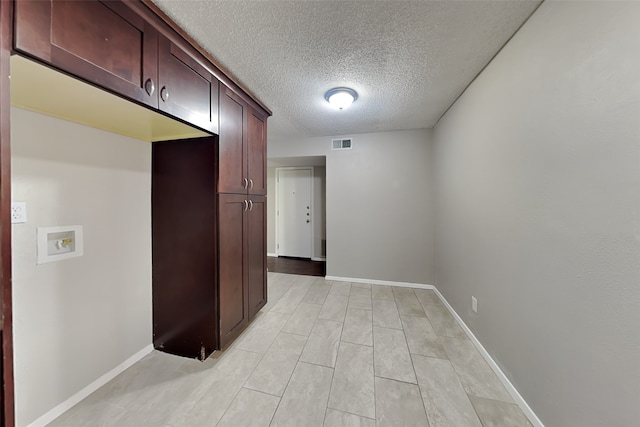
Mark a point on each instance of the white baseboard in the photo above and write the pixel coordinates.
(272, 254)
(517, 398)
(76, 398)
(380, 282)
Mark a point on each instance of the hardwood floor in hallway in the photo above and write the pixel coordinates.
(302, 266)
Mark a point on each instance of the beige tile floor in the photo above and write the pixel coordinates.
(320, 353)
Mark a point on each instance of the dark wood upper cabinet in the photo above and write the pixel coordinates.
(257, 152)
(186, 89)
(232, 177)
(243, 146)
(108, 44)
(104, 43)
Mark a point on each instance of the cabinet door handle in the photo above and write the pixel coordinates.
(250, 184)
(149, 86)
(164, 94)
(246, 205)
(250, 205)
(245, 183)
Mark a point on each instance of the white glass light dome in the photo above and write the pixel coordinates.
(341, 97)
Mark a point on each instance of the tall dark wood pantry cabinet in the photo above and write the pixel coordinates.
(241, 213)
(209, 246)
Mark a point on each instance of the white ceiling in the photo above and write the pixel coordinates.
(408, 60)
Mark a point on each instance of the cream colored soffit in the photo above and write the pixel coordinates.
(43, 90)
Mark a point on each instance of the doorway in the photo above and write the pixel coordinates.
(294, 207)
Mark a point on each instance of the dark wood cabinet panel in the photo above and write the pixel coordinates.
(256, 253)
(232, 177)
(243, 146)
(104, 43)
(232, 277)
(184, 247)
(187, 90)
(257, 152)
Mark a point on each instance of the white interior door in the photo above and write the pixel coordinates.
(294, 224)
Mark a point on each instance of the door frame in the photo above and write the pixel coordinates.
(311, 205)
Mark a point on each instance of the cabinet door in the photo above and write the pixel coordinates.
(257, 152)
(257, 253)
(187, 90)
(232, 174)
(183, 247)
(104, 43)
(232, 277)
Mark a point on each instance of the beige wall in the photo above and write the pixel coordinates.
(379, 204)
(77, 319)
(538, 211)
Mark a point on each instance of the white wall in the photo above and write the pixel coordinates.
(77, 319)
(379, 204)
(319, 208)
(538, 211)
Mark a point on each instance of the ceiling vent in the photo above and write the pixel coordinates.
(342, 144)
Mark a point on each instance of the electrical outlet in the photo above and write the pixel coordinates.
(474, 305)
(18, 212)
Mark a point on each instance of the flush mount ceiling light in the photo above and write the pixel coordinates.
(341, 97)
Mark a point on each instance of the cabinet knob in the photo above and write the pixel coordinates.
(149, 86)
(164, 94)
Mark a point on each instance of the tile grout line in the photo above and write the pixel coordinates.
(292, 372)
(333, 374)
(242, 386)
(253, 370)
(426, 413)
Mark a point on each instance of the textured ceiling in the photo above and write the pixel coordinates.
(408, 60)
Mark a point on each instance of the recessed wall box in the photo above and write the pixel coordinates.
(58, 243)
